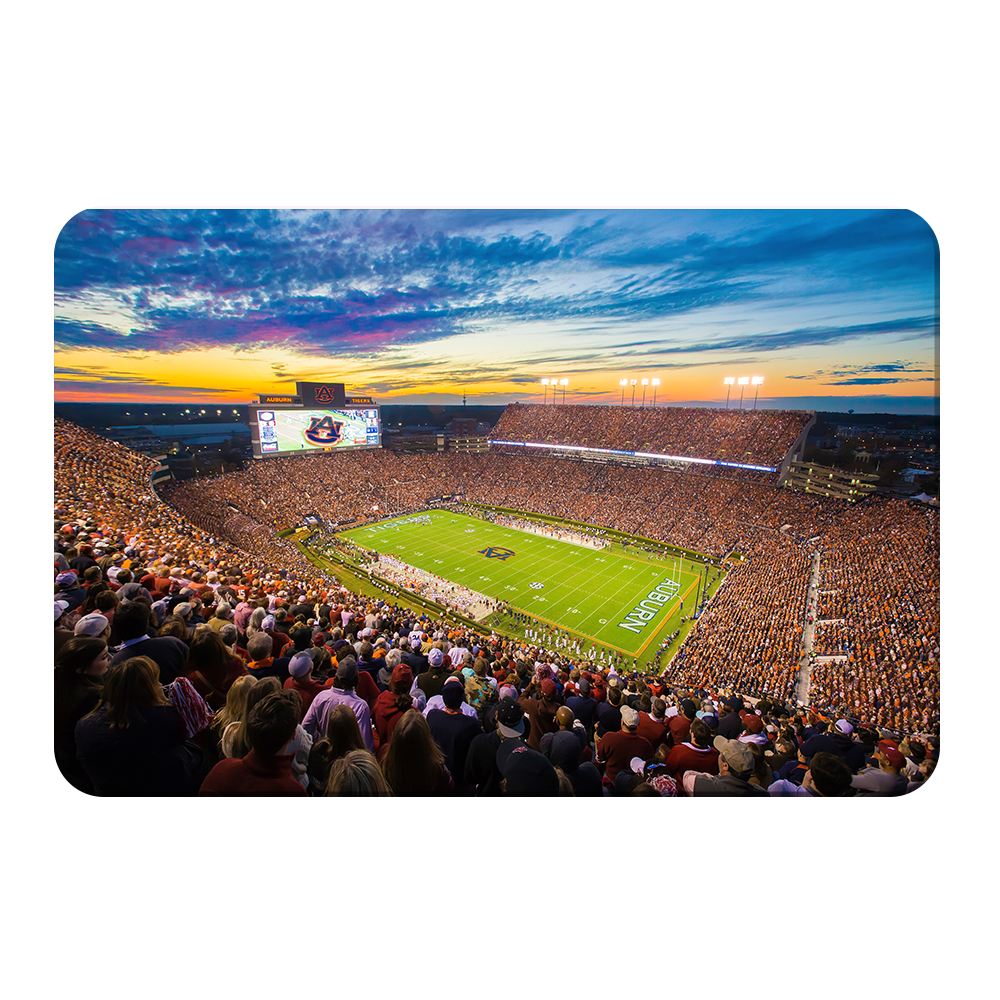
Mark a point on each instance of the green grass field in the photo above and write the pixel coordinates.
(594, 594)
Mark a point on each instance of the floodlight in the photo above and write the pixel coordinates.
(743, 381)
(656, 381)
(564, 381)
(757, 380)
(545, 381)
(645, 381)
(623, 381)
(729, 381)
(634, 382)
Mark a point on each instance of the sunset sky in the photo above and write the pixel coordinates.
(834, 309)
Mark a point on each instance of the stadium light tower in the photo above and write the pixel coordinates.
(645, 382)
(623, 382)
(633, 382)
(564, 382)
(656, 382)
(757, 380)
(730, 382)
(741, 382)
(545, 391)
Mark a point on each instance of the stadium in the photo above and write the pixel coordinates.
(608, 600)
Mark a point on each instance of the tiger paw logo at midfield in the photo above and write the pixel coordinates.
(324, 431)
(492, 552)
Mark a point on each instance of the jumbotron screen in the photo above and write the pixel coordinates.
(287, 431)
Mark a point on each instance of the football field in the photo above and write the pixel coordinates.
(626, 602)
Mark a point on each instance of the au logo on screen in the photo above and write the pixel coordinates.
(491, 552)
(324, 394)
(324, 431)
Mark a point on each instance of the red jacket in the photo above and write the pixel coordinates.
(617, 750)
(680, 730)
(251, 776)
(655, 730)
(687, 757)
(306, 691)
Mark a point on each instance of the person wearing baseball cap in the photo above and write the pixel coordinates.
(454, 731)
(616, 749)
(62, 634)
(300, 678)
(838, 740)
(396, 700)
(431, 681)
(731, 723)
(526, 772)
(886, 779)
(736, 767)
(481, 768)
(341, 693)
(94, 625)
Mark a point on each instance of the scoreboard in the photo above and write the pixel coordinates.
(286, 430)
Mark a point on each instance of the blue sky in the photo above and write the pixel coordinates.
(421, 306)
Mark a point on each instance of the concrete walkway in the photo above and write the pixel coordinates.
(803, 683)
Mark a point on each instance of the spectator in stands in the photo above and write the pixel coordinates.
(838, 741)
(357, 774)
(223, 615)
(79, 677)
(266, 769)
(616, 749)
(227, 720)
(695, 754)
(134, 740)
(342, 735)
(393, 703)
(565, 753)
(414, 763)
(525, 771)
(211, 668)
(431, 681)
(300, 670)
(167, 652)
(736, 768)
(886, 779)
(828, 776)
(653, 723)
(454, 731)
(341, 693)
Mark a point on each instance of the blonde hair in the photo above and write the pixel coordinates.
(357, 774)
(236, 702)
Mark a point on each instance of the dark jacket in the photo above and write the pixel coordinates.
(849, 751)
(725, 785)
(167, 651)
(148, 757)
(730, 726)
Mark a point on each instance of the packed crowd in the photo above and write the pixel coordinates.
(353, 697)
(760, 437)
(116, 541)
